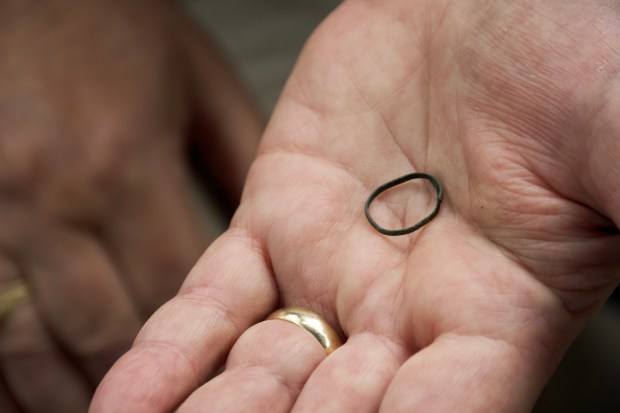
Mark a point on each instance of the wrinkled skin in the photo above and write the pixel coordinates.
(514, 106)
(99, 215)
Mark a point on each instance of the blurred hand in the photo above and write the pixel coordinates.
(100, 216)
(514, 106)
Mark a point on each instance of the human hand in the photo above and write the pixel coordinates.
(513, 106)
(99, 103)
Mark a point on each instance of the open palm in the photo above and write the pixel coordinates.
(511, 105)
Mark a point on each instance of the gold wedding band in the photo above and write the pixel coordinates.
(12, 297)
(312, 323)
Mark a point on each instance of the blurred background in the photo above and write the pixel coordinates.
(263, 40)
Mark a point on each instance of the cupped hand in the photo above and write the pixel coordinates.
(513, 106)
(99, 212)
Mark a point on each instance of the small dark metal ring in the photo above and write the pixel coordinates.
(391, 184)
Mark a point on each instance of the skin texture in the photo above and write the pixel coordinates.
(514, 106)
(100, 213)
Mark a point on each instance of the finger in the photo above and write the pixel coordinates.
(7, 401)
(467, 374)
(157, 233)
(265, 371)
(230, 289)
(354, 378)
(80, 298)
(9, 276)
(38, 376)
